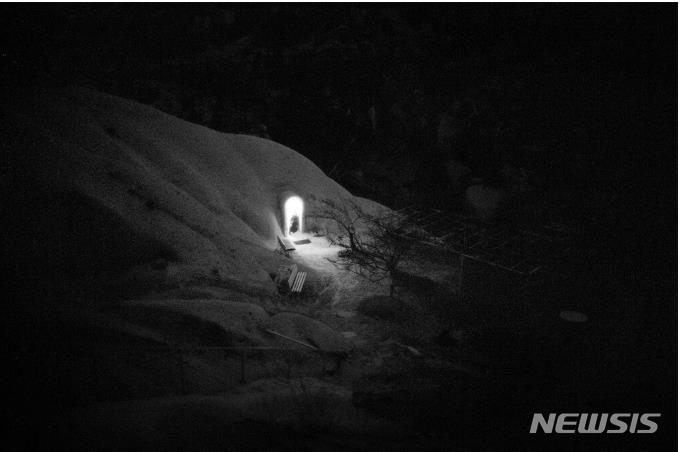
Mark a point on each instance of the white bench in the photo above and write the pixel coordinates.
(296, 280)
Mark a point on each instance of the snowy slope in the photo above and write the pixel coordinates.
(212, 200)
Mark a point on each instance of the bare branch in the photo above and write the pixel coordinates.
(372, 246)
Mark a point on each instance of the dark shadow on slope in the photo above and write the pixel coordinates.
(65, 241)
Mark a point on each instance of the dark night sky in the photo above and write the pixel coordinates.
(625, 53)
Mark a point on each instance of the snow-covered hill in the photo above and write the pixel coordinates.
(176, 202)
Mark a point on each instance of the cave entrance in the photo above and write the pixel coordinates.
(293, 216)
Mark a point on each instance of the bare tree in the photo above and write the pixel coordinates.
(373, 246)
(345, 219)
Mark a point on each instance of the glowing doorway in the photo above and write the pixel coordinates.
(292, 213)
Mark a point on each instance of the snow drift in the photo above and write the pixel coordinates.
(174, 201)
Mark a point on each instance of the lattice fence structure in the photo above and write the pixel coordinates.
(524, 252)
